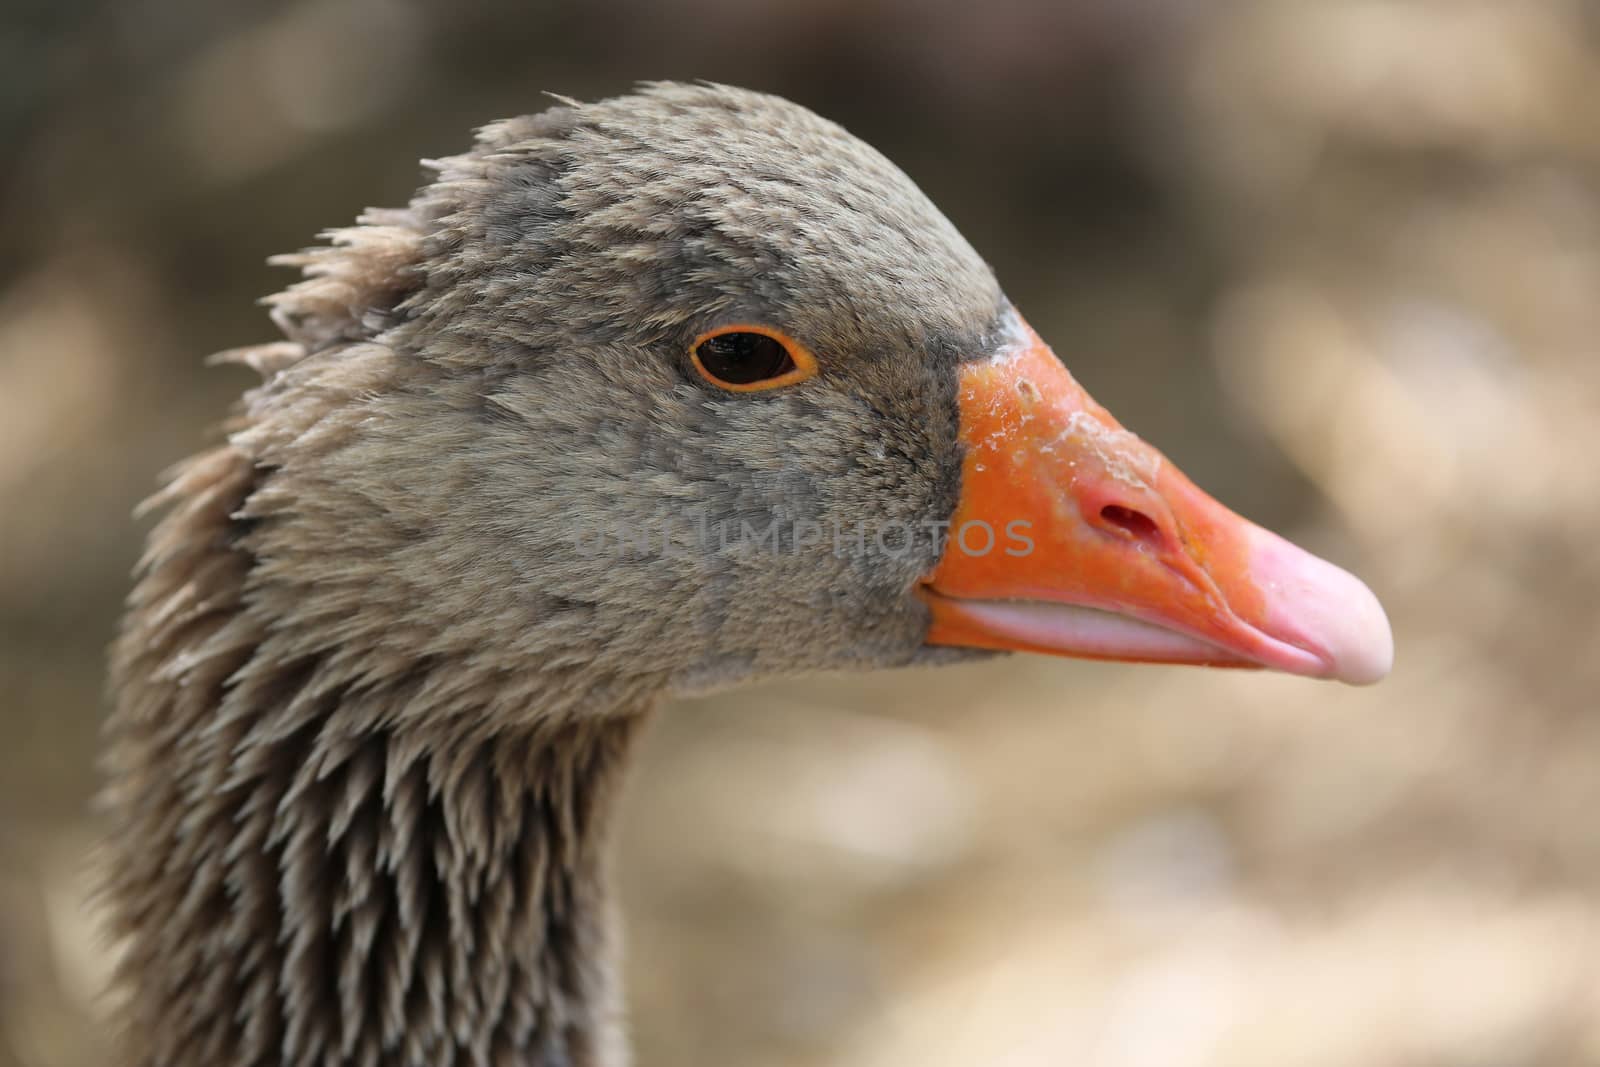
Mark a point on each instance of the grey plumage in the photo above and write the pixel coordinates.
(373, 695)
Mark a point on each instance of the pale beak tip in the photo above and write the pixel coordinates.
(1366, 654)
(1323, 609)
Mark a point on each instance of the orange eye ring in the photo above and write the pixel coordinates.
(744, 365)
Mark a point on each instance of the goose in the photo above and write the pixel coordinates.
(636, 398)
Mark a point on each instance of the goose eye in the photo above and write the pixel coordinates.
(747, 358)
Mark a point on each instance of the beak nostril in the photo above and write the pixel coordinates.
(1135, 524)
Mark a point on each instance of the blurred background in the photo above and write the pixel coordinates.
(1340, 260)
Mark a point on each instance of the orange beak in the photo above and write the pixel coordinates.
(1074, 537)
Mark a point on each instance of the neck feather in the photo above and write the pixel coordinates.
(304, 874)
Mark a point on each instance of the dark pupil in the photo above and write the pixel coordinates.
(743, 358)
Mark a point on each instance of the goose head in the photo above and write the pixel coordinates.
(637, 398)
(692, 387)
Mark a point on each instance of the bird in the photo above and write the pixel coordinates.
(637, 398)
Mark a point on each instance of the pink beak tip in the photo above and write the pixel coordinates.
(1323, 609)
